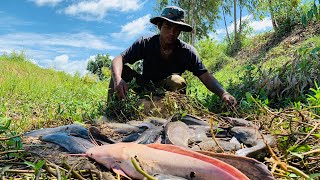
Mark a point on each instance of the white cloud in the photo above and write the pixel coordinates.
(46, 2)
(257, 25)
(97, 9)
(56, 50)
(78, 40)
(134, 28)
(261, 25)
(62, 63)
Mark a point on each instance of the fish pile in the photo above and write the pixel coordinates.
(177, 148)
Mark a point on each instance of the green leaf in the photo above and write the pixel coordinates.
(315, 50)
(300, 148)
(292, 175)
(315, 11)
(4, 124)
(312, 176)
(249, 97)
(39, 164)
(310, 15)
(30, 164)
(302, 50)
(317, 135)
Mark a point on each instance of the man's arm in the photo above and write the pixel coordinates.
(120, 86)
(214, 86)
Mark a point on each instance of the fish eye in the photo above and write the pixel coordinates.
(192, 174)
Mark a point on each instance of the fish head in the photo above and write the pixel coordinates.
(108, 155)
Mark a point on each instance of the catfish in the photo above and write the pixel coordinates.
(163, 159)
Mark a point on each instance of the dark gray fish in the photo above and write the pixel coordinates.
(132, 137)
(71, 143)
(156, 121)
(97, 135)
(153, 134)
(240, 122)
(140, 124)
(150, 135)
(246, 135)
(125, 129)
(226, 145)
(252, 137)
(72, 129)
(193, 120)
(218, 131)
(258, 151)
(198, 134)
(252, 168)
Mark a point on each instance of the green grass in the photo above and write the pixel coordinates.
(35, 97)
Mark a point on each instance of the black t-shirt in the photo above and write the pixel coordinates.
(184, 57)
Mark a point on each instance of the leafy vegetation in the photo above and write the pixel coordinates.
(100, 66)
(34, 97)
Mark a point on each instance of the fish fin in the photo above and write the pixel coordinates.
(118, 170)
(218, 163)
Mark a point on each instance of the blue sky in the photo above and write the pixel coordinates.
(65, 34)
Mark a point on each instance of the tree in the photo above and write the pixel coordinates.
(99, 64)
(285, 14)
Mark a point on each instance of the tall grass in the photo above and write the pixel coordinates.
(35, 97)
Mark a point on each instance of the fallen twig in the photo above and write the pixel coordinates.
(308, 135)
(213, 135)
(77, 175)
(138, 168)
(7, 138)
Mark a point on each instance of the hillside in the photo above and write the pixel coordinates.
(35, 97)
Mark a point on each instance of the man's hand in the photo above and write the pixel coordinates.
(121, 88)
(229, 99)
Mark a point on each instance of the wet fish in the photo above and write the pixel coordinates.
(156, 121)
(252, 137)
(71, 143)
(252, 168)
(132, 137)
(164, 159)
(198, 134)
(193, 120)
(126, 129)
(150, 135)
(97, 135)
(153, 134)
(226, 145)
(72, 129)
(141, 124)
(259, 150)
(240, 122)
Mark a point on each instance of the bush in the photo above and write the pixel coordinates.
(212, 54)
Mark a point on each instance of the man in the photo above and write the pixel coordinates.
(165, 58)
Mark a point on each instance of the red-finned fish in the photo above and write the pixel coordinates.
(162, 158)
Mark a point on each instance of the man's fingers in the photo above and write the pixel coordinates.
(121, 94)
(125, 88)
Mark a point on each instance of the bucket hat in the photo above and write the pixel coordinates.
(172, 14)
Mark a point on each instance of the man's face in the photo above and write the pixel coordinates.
(169, 32)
